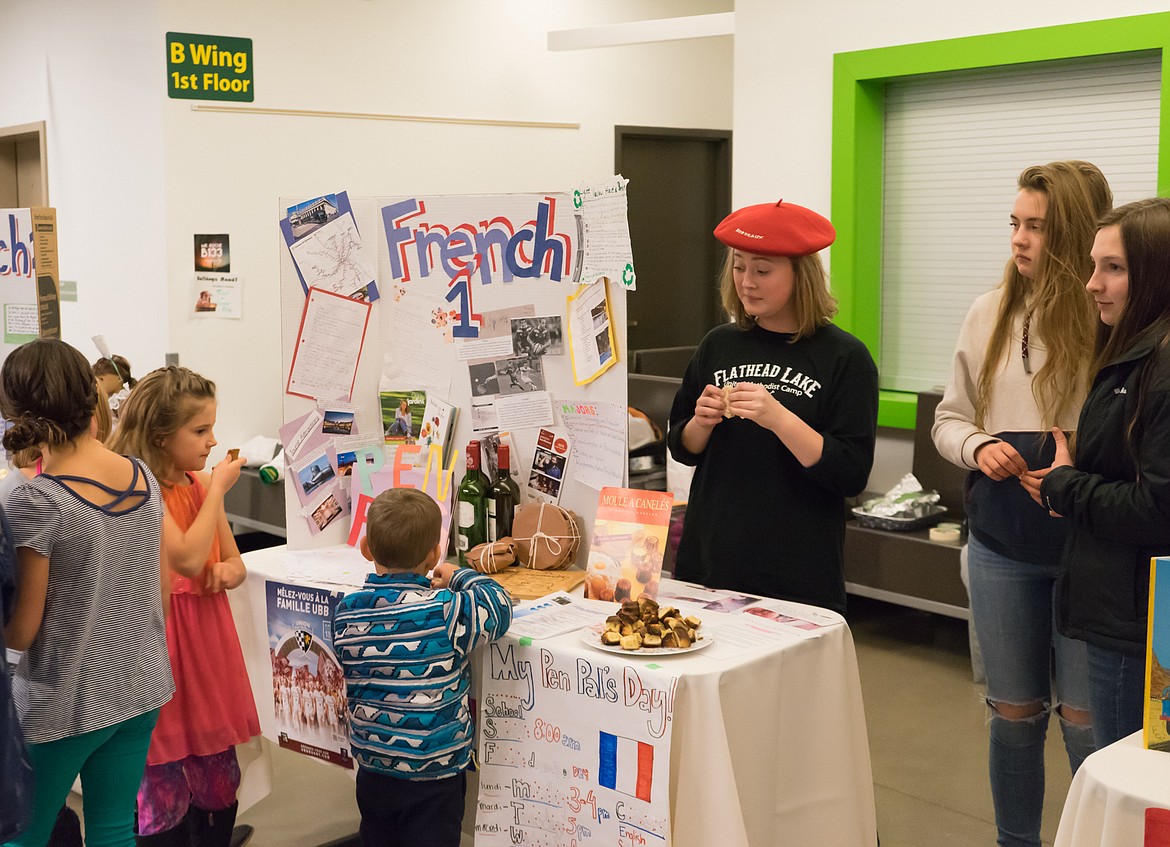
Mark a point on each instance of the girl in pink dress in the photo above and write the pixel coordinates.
(188, 793)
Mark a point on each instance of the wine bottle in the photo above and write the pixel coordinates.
(502, 499)
(472, 505)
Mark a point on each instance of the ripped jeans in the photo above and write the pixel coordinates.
(1012, 605)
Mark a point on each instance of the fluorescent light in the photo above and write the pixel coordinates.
(643, 32)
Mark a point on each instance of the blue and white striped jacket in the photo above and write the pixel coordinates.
(405, 650)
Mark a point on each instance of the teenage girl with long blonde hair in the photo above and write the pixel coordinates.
(1021, 367)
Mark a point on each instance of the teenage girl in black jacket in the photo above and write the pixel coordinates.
(1116, 493)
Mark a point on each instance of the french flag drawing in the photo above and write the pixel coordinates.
(626, 765)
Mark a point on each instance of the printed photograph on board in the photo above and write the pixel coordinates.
(402, 415)
(325, 514)
(312, 214)
(337, 422)
(519, 375)
(212, 254)
(484, 382)
(315, 474)
(538, 336)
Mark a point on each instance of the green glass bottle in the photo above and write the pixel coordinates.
(502, 498)
(471, 503)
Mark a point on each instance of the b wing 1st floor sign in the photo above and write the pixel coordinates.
(209, 67)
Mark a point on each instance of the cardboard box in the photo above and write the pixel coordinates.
(48, 290)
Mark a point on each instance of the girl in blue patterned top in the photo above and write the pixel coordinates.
(88, 608)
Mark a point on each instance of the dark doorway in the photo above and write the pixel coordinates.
(23, 178)
(680, 188)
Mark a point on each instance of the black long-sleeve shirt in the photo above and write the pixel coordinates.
(756, 520)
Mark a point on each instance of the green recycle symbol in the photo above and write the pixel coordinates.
(628, 274)
(578, 201)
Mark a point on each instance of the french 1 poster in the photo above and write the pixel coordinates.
(574, 749)
(308, 690)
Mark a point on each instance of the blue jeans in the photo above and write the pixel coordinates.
(1117, 685)
(1013, 610)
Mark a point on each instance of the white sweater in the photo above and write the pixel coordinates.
(1012, 408)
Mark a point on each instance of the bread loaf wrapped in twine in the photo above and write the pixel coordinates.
(546, 536)
(492, 556)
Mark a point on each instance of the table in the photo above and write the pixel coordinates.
(1108, 798)
(769, 748)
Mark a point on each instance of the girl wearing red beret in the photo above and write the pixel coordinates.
(778, 413)
(1021, 367)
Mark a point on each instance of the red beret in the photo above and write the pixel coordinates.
(776, 229)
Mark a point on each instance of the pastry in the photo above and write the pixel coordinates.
(643, 623)
(727, 413)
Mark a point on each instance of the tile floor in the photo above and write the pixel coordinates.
(926, 728)
(926, 735)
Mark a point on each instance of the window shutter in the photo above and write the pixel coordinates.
(954, 145)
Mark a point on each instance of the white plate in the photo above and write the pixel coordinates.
(591, 635)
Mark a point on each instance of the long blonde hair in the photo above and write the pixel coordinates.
(1063, 317)
(156, 409)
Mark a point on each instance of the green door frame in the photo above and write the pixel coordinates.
(859, 82)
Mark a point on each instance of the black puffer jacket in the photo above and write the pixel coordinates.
(1119, 508)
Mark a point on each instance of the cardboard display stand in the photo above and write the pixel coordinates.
(29, 285)
(444, 277)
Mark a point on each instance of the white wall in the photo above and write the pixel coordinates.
(784, 95)
(92, 72)
(450, 58)
(135, 175)
(95, 73)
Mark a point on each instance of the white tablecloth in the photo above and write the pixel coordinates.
(769, 748)
(1108, 798)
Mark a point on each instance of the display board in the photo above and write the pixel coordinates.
(412, 321)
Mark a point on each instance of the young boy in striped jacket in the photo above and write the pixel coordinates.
(405, 641)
